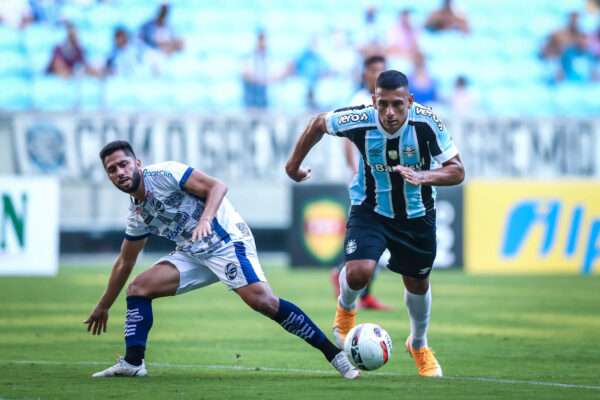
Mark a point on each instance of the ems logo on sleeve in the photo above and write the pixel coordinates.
(231, 271)
(350, 246)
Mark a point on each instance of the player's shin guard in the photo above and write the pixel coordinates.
(418, 307)
(137, 325)
(295, 321)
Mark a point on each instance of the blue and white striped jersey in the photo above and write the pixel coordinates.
(419, 144)
(169, 211)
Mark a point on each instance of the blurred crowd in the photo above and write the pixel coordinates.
(339, 52)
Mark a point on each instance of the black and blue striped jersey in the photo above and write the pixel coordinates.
(421, 143)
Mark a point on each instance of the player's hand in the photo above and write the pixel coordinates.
(98, 319)
(410, 176)
(203, 230)
(301, 174)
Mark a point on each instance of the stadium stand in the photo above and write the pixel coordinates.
(500, 57)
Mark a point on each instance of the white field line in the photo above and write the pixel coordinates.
(308, 371)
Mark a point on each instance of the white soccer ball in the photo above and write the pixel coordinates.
(368, 346)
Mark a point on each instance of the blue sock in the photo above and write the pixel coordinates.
(137, 326)
(293, 320)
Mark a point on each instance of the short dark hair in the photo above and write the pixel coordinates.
(373, 60)
(115, 145)
(391, 79)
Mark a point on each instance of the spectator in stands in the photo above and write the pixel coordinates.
(46, 11)
(447, 19)
(312, 66)
(422, 85)
(258, 72)
(577, 63)
(463, 100)
(131, 58)
(256, 75)
(69, 57)
(561, 39)
(15, 13)
(369, 38)
(402, 38)
(158, 33)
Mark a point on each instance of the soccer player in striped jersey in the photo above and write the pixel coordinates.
(373, 66)
(405, 152)
(214, 244)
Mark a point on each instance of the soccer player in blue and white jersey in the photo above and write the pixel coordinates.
(213, 242)
(405, 152)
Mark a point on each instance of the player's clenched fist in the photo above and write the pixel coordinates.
(299, 175)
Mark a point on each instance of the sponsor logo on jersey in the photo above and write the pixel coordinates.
(393, 154)
(348, 118)
(160, 172)
(426, 111)
(351, 246)
(231, 271)
(138, 210)
(408, 150)
(157, 206)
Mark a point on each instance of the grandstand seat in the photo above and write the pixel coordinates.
(89, 93)
(138, 95)
(291, 94)
(16, 94)
(42, 38)
(54, 94)
(332, 93)
(13, 64)
(191, 96)
(10, 40)
(225, 94)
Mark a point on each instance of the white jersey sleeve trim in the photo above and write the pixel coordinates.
(447, 155)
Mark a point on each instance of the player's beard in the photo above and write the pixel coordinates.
(136, 179)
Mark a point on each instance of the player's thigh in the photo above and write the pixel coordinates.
(236, 264)
(413, 247)
(193, 273)
(162, 279)
(365, 237)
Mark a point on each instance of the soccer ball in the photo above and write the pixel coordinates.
(368, 346)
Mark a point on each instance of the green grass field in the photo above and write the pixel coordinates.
(496, 337)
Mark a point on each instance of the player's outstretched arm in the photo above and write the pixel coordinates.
(311, 135)
(121, 270)
(204, 185)
(451, 173)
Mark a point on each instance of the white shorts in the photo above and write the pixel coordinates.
(235, 264)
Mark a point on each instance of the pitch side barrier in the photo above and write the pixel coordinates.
(249, 151)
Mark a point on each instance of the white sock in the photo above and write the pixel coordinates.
(348, 296)
(418, 307)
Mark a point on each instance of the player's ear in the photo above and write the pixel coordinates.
(374, 100)
(411, 99)
(138, 162)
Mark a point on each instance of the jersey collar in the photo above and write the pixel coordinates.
(385, 133)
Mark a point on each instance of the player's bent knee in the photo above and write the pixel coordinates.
(139, 287)
(358, 277)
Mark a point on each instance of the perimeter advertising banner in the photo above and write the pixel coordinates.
(318, 224)
(532, 227)
(28, 226)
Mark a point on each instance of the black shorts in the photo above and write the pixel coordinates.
(411, 242)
